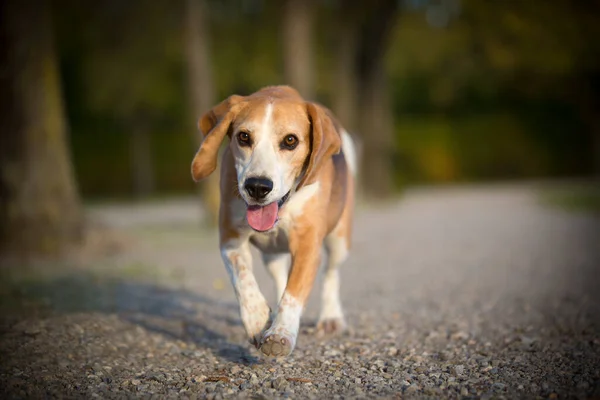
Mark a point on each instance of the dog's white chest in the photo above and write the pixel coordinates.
(274, 241)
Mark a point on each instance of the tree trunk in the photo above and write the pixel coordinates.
(297, 26)
(376, 127)
(39, 204)
(142, 168)
(596, 143)
(202, 93)
(345, 80)
(586, 99)
(374, 106)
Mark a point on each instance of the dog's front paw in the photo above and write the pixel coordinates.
(256, 320)
(276, 344)
(331, 326)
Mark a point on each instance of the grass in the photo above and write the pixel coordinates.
(584, 198)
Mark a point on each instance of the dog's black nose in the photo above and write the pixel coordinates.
(258, 188)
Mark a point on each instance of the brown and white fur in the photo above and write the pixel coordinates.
(314, 179)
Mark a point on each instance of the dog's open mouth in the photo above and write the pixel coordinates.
(263, 218)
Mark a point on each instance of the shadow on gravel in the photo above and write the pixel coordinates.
(177, 314)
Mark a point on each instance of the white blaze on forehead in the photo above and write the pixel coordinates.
(263, 161)
(266, 158)
(268, 120)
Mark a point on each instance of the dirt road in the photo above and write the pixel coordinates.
(457, 292)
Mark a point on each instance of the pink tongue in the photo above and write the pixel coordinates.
(262, 218)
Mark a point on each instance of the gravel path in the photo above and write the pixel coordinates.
(459, 292)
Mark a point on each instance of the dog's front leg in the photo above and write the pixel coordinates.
(280, 339)
(254, 309)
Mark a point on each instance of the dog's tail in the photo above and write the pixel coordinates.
(351, 147)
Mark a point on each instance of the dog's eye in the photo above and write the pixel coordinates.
(244, 138)
(289, 142)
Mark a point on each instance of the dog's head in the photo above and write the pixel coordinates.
(279, 143)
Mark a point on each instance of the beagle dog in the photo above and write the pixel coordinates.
(287, 188)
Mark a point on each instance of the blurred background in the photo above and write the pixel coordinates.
(100, 99)
(476, 235)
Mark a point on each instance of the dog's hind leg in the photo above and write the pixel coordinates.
(337, 246)
(278, 265)
(331, 318)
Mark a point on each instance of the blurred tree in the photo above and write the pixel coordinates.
(247, 34)
(587, 99)
(375, 111)
(585, 85)
(130, 72)
(141, 156)
(201, 90)
(345, 79)
(361, 88)
(459, 73)
(545, 52)
(39, 204)
(472, 66)
(297, 26)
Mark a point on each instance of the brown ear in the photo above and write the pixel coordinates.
(324, 139)
(214, 126)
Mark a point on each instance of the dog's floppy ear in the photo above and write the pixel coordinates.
(214, 126)
(325, 141)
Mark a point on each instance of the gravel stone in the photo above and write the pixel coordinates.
(280, 383)
(459, 369)
(479, 292)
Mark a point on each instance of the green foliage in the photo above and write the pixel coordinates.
(489, 96)
(583, 198)
(472, 147)
(494, 94)
(103, 167)
(245, 47)
(134, 67)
